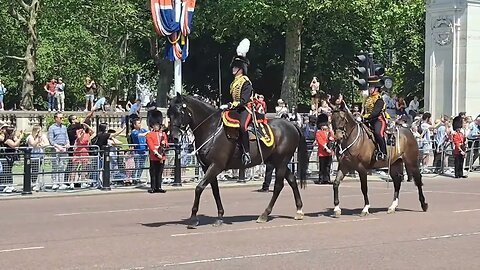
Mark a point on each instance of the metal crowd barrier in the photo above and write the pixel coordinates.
(79, 166)
(90, 167)
(13, 165)
(442, 158)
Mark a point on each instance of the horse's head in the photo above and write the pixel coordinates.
(179, 115)
(339, 120)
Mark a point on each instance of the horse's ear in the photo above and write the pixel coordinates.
(178, 98)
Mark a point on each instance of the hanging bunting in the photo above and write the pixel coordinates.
(163, 16)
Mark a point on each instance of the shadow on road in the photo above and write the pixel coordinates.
(355, 212)
(209, 220)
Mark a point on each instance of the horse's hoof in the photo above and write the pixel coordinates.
(262, 219)
(425, 207)
(391, 210)
(218, 223)
(337, 213)
(299, 216)
(193, 224)
(364, 214)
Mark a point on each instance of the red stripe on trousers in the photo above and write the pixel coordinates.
(384, 125)
(247, 121)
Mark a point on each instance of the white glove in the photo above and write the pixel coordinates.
(224, 107)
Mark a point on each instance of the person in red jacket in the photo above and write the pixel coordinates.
(157, 141)
(261, 105)
(458, 147)
(324, 139)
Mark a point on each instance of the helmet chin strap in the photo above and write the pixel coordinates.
(236, 73)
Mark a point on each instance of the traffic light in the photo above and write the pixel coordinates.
(362, 71)
(379, 70)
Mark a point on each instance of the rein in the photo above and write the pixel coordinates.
(209, 139)
(343, 150)
(194, 152)
(204, 120)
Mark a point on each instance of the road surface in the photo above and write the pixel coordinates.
(147, 231)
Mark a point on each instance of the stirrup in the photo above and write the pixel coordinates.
(380, 156)
(246, 159)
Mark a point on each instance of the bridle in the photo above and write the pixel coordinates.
(343, 128)
(345, 135)
(183, 127)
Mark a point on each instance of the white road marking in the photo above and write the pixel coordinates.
(272, 227)
(113, 211)
(20, 249)
(447, 236)
(466, 210)
(453, 192)
(239, 257)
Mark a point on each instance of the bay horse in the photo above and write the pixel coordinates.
(216, 152)
(357, 150)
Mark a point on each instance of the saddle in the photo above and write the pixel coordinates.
(389, 139)
(390, 132)
(262, 130)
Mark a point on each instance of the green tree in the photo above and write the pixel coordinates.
(399, 41)
(26, 15)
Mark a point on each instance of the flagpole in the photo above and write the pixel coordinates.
(177, 67)
(219, 80)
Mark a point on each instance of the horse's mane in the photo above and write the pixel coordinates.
(200, 103)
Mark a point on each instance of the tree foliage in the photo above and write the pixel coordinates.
(113, 42)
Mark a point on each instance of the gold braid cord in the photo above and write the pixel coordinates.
(236, 88)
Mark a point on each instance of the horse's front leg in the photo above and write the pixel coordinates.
(341, 172)
(364, 186)
(218, 201)
(211, 172)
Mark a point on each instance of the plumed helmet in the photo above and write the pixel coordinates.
(322, 120)
(156, 117)
(240, 60)
(457, 122)
(375, 81)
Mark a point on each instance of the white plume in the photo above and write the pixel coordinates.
(243, 47)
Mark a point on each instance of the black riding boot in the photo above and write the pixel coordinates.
(246, 148)
(382, 147)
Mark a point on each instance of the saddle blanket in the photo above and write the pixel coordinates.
(263, 131)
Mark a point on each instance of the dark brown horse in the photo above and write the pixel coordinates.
(356, 152)
(217, 153)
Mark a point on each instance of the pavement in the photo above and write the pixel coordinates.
(137, 230)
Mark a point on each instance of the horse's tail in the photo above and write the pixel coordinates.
(302, 157)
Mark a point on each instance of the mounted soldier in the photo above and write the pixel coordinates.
(242, 91)
(374, 115)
